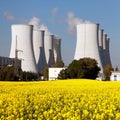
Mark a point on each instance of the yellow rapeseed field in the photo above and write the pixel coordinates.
(60, 100)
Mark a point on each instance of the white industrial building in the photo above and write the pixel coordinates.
(35, 48)
(9, 61)
(92, 42)
(54, 72)
(115, 76)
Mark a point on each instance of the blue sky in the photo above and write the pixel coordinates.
(55, 14)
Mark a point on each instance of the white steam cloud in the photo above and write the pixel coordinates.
(9, 16)
(37, 25)
(54, 11)
(35, 22)
(72, 21)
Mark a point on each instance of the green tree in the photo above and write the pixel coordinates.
(59, 64)
(45, 73)
(63, 74)
(107, 71)
(83, 68)
(88, 68)
(8, 73)
(3, 72)
(29, 76)
(9, 76)
(73, 69)
(116, 69)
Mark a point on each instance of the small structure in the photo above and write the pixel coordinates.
(115, 76)
(9, 61)
(54, 72)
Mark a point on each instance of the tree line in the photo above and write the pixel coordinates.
(15, 73)
(84, 68)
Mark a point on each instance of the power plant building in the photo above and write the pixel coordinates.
(33, 47)
(92, 42)
(9, 61)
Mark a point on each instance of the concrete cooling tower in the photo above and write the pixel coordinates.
(100, 39)
(87, 42)
(49, 49)
(107, 51)
(38, 45)
(22, 37)
(57, 48)
(104, 48)
(92, 42)
(36, 48)
(101, 51)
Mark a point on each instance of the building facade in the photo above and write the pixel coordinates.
(54, 72)
(115, 76)
(8, 61)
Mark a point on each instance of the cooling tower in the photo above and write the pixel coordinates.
(38, 45)
(104, 56)
(104, 41)
(87, 42)
(101, 51)
(57, 49)
(104, 48)
(107, 52)
(22, 37)
(100, 38)
(49, 49)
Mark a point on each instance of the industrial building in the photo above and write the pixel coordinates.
(115, 76)
(92, 42)
(54, 72)
(9, 61)
(35, 48)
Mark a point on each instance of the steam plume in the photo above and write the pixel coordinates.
(8, 16)
(54, 11)
(72, 21)
(37, 25)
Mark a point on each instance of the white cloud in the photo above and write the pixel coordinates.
(72, 21)
(35, 22)
(23, 20)
(45, 28)
(37, 25)
(54, 11)
(8, 16)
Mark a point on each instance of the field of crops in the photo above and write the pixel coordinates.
(60, 100)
